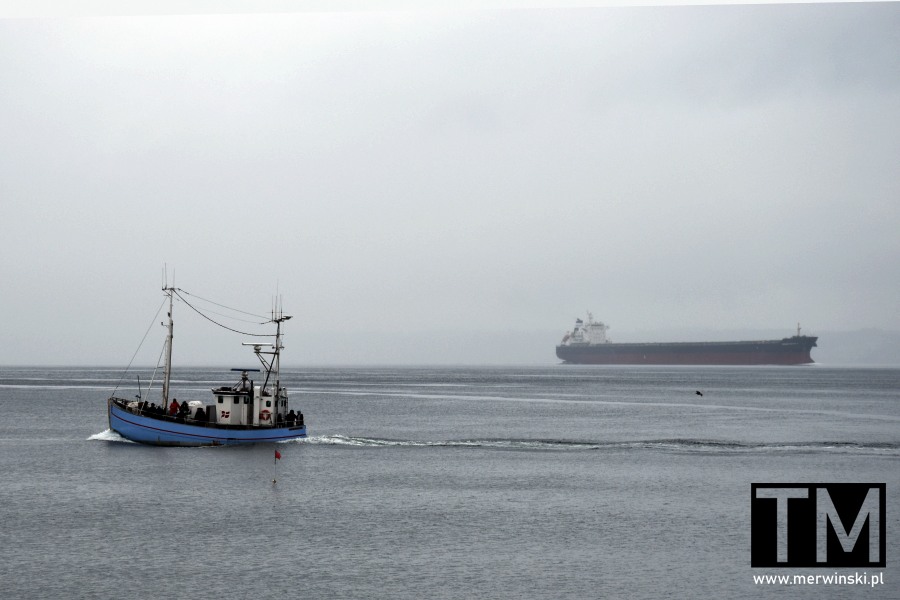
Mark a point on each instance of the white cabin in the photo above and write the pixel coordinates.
(588, 332)
(248, 405)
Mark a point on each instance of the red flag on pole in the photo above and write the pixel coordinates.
(277, 455)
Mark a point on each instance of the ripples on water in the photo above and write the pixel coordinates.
(560, 482)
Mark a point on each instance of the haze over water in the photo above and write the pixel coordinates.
(421, 185)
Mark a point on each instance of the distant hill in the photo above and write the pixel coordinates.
(872, 347)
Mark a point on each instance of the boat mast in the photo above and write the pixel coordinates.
(273, 366)
(279, 318)
(170, 292)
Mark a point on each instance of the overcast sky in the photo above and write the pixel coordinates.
(469, 171)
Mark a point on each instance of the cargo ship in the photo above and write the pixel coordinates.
(587, 344)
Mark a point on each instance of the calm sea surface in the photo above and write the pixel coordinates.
(558, 482)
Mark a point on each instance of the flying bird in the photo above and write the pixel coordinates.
(699, 393)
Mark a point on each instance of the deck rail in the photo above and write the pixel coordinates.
(124, 404)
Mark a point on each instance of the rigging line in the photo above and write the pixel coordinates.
(236, 318)
(222, 305)
(125, 372)
(153, 378)
(219, 324)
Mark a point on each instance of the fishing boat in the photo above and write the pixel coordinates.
(241, 413)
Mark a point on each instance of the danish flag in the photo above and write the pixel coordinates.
(226, 414)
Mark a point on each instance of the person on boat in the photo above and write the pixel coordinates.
(299, 419)
(173, 408)
(200, 415)
(291, 418)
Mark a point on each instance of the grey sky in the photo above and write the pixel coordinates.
(470, 171)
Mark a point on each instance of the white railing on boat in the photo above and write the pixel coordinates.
(123, 404)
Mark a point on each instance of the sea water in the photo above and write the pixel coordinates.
(544, 482)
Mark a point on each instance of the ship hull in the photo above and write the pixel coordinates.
(164, 432)
(788, 351)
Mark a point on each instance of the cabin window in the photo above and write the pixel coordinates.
(268, 403)
(221, 400)
(236, 400)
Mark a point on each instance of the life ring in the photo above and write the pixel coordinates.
(265, 415)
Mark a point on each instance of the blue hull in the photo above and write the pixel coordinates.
(159, 432)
